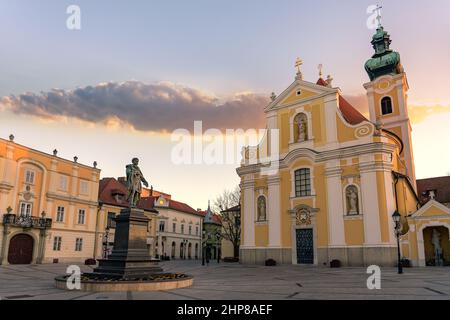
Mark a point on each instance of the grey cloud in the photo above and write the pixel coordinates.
(147, 107)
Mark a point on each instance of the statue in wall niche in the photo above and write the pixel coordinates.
(302, 123)
(352, 201)
(135, 178)
(261, 209)
(436, 241)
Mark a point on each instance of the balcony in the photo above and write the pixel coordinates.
(27, 222)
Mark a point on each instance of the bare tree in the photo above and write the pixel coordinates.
(231, 221)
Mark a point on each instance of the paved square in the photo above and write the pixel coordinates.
(234, 281)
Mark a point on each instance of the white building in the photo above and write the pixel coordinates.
(179, 230)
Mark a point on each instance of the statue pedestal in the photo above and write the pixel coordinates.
(130, 257)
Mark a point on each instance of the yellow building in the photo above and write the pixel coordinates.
(52, 206)
(325, 181)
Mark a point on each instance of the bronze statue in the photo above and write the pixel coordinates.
(134, 180)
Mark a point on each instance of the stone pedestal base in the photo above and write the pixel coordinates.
(130, 257)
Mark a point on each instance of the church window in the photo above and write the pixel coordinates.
(386, 105)
(352, 198)
(262, 208)
(303, 183)
(301, 128)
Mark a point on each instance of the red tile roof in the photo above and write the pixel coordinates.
(183, 207)
(322, 82)
(350, 113)
(441, 186)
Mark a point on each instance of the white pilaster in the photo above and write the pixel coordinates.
(248, 189)
(331, 106)
(369, 194)
(274, 211)
(335, 205)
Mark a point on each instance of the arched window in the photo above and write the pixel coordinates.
(352, 198)
(303, 182)
(386, 105)
(262, 208)
(301, 128)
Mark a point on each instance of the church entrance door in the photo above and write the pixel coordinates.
(305, 246)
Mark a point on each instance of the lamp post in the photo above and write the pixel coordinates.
(105, 243)
(396, 217)
(219, 238)
(203, 247)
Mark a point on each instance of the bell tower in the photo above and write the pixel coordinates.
(387, 96)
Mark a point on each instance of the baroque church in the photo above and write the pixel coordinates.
(340, 177)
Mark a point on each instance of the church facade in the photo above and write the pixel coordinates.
(325, 181)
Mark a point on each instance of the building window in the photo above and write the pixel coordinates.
(190, 230)
(196, 231)
(262, 208)
(26, 209)
(57, 243)
(182, 229)
(303, 183)
(81, 216)
(63, 183)
(79, 244)
(111, 224)
(60, 214)
(29, 176)
(84, 187)
(162, 226)
(174, 227)
(386, 105)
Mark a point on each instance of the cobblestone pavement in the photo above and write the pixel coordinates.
(234, 281)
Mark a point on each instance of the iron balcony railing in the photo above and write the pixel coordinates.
(27, 221)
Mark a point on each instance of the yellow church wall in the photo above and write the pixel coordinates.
(293, 97)
(433, 212)
(344, 133)
(411, 237)
(354, 232)
(283, 124)
(261, 235)
(319, 129)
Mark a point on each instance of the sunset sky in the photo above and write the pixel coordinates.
(137, 70)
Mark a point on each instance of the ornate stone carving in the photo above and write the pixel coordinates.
(303, 217)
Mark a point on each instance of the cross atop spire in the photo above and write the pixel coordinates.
(320, 67)
(298, 64)
(378, 11)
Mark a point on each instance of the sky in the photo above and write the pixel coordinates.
(137, 70)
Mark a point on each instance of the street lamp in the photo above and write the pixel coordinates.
(219, 238)
(396, 217)
(203, 247)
